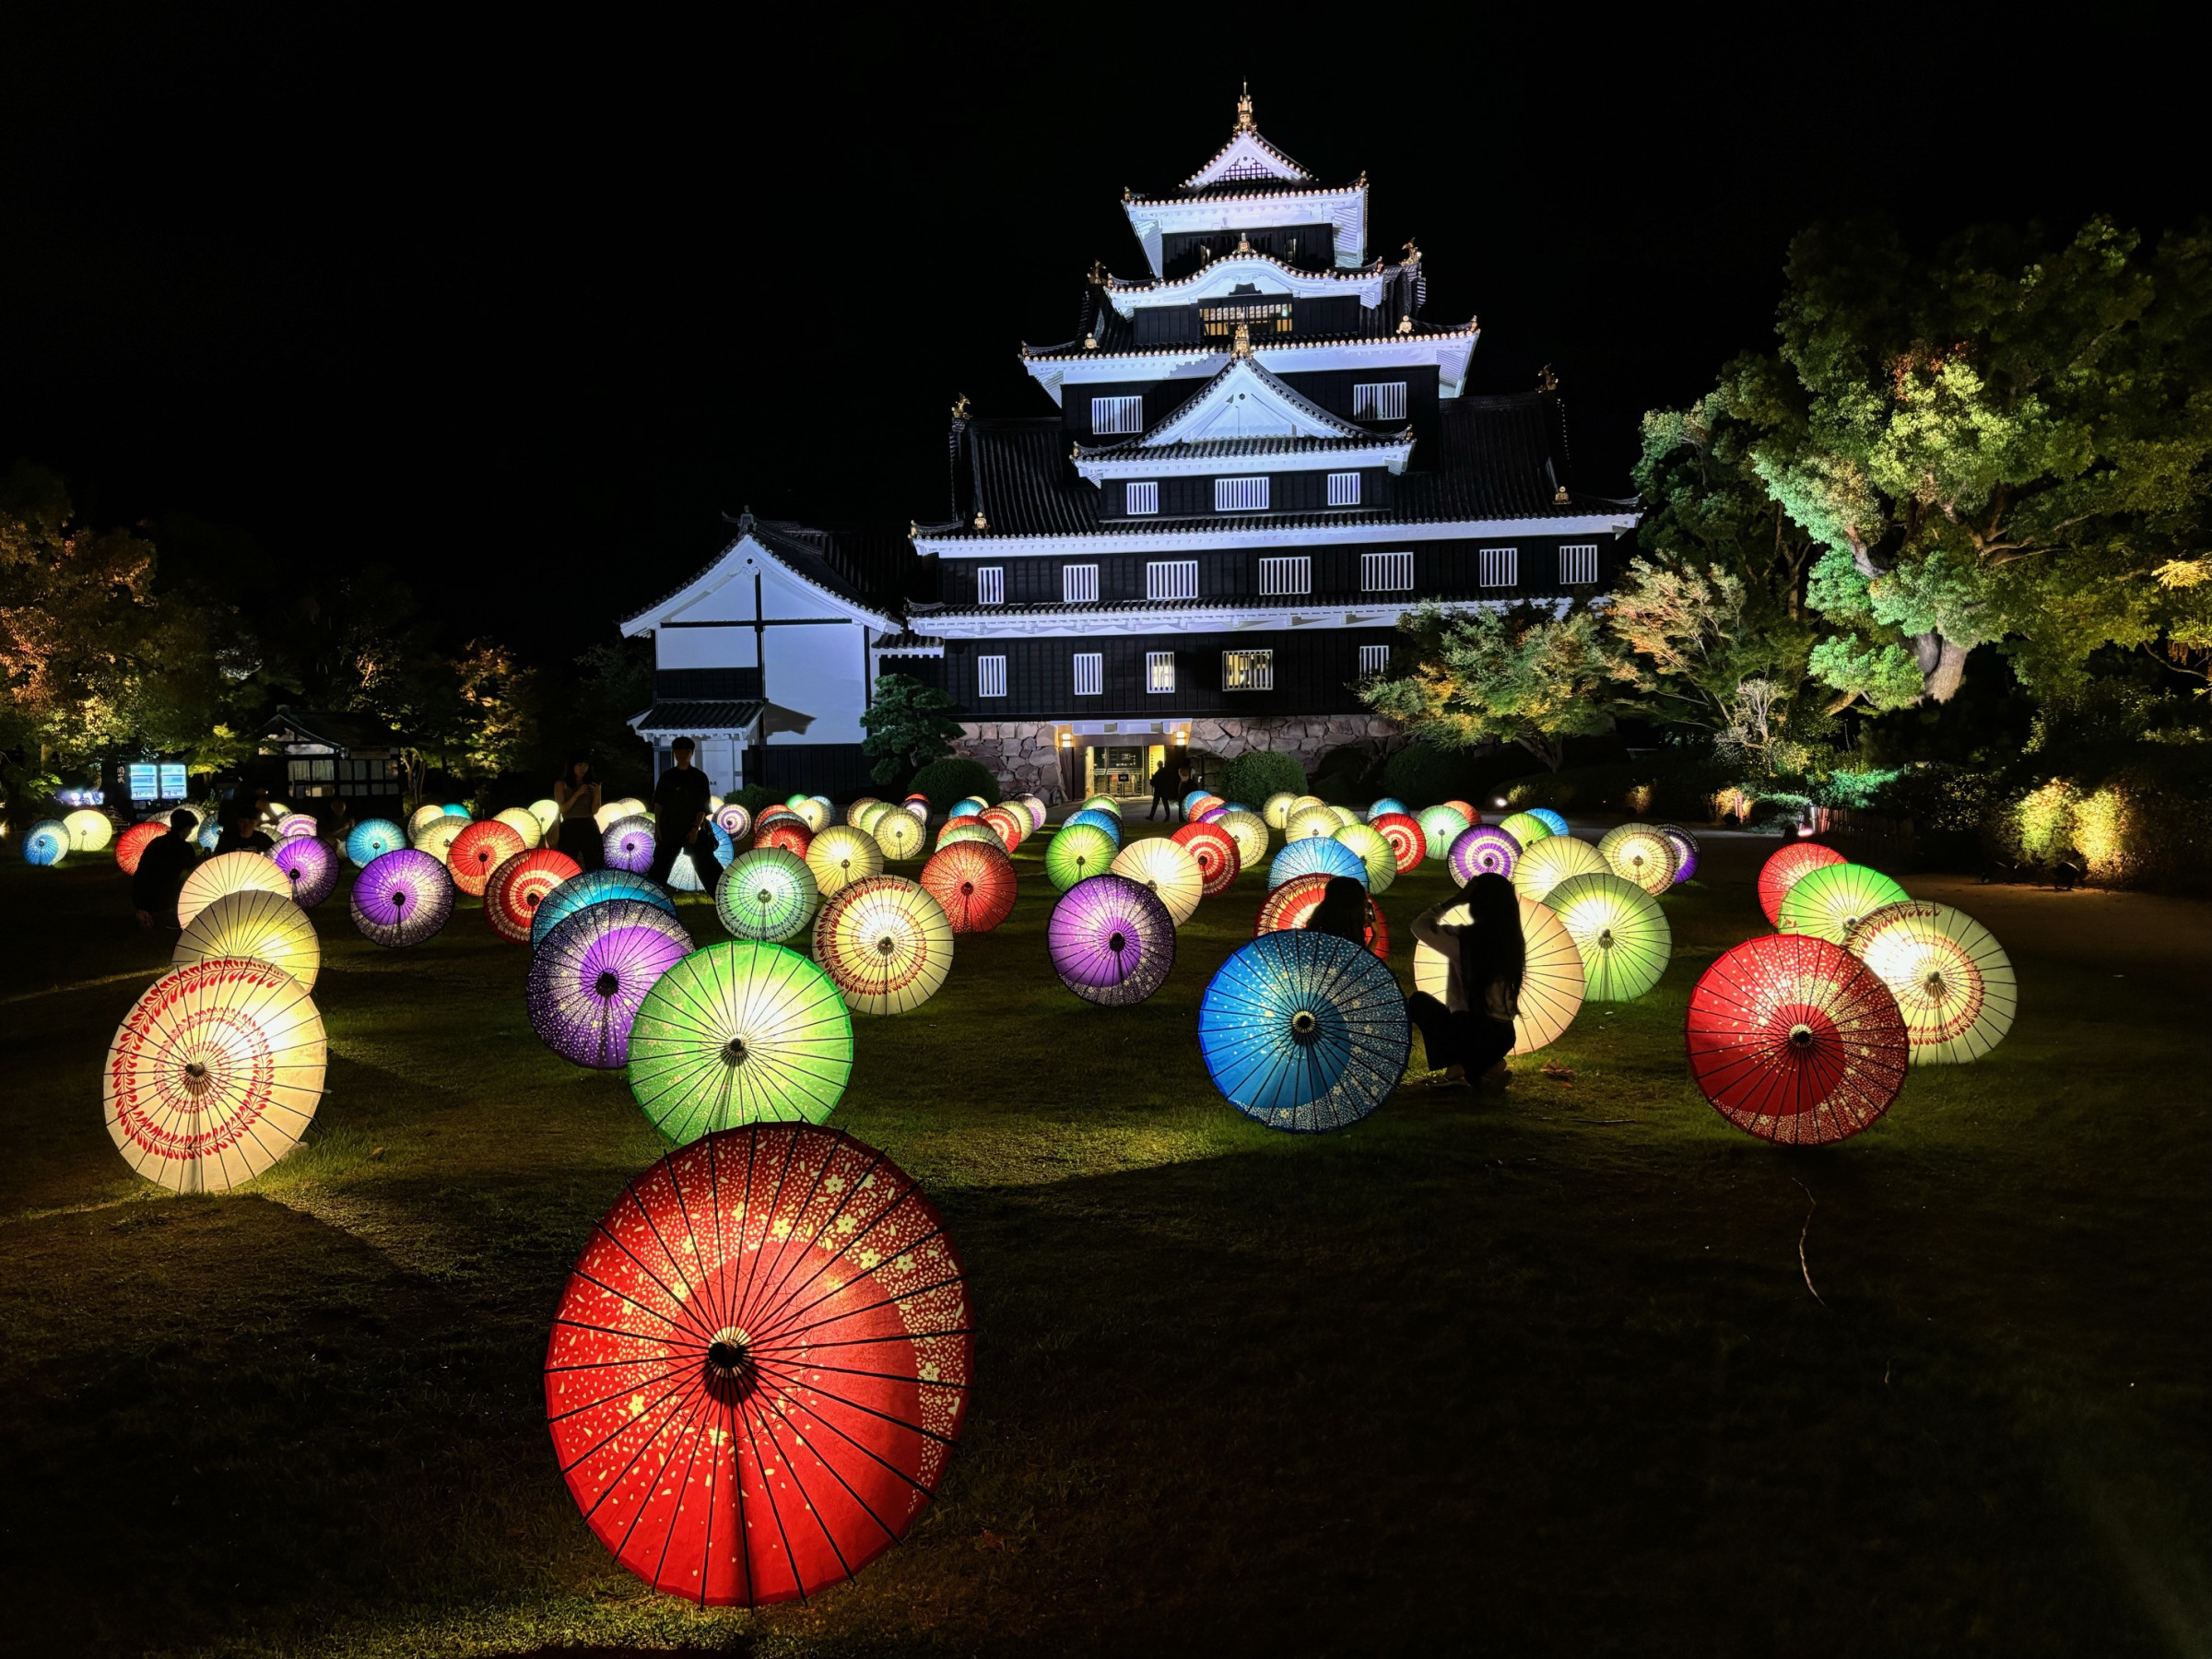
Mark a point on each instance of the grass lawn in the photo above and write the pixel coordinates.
(1531, 1373)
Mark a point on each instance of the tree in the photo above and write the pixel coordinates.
(1520, 676)
(2001, 443)
(909, 725)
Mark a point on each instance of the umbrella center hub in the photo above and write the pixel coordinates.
(886, 946)
(734, 1052)
(606, 984)
(1801, 1037)
(732, 1372)
(1117, 943)
(196, 1079)
(1934, 985)
(1605, 939)
(1303, 1025)
(765, 896)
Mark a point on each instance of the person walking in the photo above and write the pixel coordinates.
(1471, 1030)
(161, 871)
(679, 819)
(1163, 787)
(577, 793)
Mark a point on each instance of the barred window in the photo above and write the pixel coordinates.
(1172, 579)
(1141, 498)
(1248, 671)
(1266, 316)
(1090, 674)
(1344, 489)
(1374, 659)
(1381, 400)
(1578, 564)
(1500, 567)
(1110, 415)
(1160, 671)
(990, 677)
(1239, 495)
(1290, 575)
(1385, 573)
(990, 585)
(1078, 585)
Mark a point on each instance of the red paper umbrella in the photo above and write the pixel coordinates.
(1408, 842)
(759, 1366)
(974, 884)
(1291, 904)
(1794, 1040)
(1782, 872)
(1011, 824)
(1465, 809)
(131, 845)
(788, 832)
(1215, 850)
(480, 849)
(512, 895)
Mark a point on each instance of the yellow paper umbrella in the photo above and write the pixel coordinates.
(90, 832)
(611, 813)
(523, 822)
(422, 818)
(1347, 817)
(438, 836)
(1953, 982)
(866, 814)
(1166, 867)
(214, 1073)
(1551, 984)
(842, 855)
(856, 814)
(886, 944)
(900, 835)
(1620, 929)
(1550, 861)
(256, 925)
(230, 873)
(1310, 822)
(1643, 854)
(1277, 811)
(814, 810)
(548, 813)
(1249, 831)
(1302, 802)
(1375, 852)
(1524, 827)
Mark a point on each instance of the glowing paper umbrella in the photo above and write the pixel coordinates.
(480, 849)
(1275, 809)
(1375, 852)
(855, 815)
(1551, 861)
(1316, 856)
(1686, 850)
(1620, 930)
(257, 926)
(596, 887)
(90, 832)
(1953, 982)
(1483, 850)
(735, 820)
(885, 944)
(1190, 796)
(1551, 820)
(866, 814)
(1442, 826)
(1103, 802)
(629, 845)
(1640, 853)
(1168, 869)
(1013, 825)
(523, 822)
(1078, 851)
(438, 836)
(1525, 827)
(211, 831)
(518, 886)
(1826, 902)
(1347, 818)
(1304, 1032)
(423, 816)
(1385, 807)
(842, 855)
(228, 873)
(1249, 831)
(813, 809)
(588, 978)
(309, 867)
(1465, 810)
(1786, 868)
(371, 839)
(1112, 940)
(768, 894)
(973, 885)
(214, 1073)
(1106, 823)
(1293, 904)
(297, 823)
(1308, 822)
(1408, 842)
(1215, 850)
(1302, 802)
(548, 813)
(46, 842)
(898, 835)
(131, 845)
(403, 897)
(611, 813)
(760, 1366)
(458, 809)
(1793, 1040)
(786, 834)
(1203, 802)
(976, 831)
(1552, 983)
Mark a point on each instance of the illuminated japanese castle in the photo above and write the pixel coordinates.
(1262, 456)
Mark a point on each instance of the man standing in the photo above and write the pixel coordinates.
(679, 819)
(161, 871)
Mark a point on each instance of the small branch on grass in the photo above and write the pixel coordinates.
(1811, 1204)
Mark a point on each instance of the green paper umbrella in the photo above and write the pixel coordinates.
(1442, 826)
(1077, 850)
(1525, 827)
(740, 1033)
(1620, 929)
(1375, 852)
(767, 894)
(1826, 902)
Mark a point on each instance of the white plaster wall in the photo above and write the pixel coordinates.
(703, 647)
(818, 672)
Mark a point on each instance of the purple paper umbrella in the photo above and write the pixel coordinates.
(313, 868)
(403, 897)
(1112, 941)
(1686, 850)
(628, 846)
(593, 970)
(1483, 849)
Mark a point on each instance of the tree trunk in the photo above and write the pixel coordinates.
(1942, 666)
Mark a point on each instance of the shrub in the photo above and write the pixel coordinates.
(1421, 774)
(754, 798)
(948, 781)
(1254, 776)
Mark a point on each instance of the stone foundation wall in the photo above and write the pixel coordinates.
(1020, 752)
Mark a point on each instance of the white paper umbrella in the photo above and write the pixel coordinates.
(214, 1073)
(230, 873)
(1168, 869)
(257, 925)
(1552, 983)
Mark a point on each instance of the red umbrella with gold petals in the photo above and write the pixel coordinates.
(1215, 850)
(761, 1365)
(1785, 869)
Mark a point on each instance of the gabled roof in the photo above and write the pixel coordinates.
(1247, 158)
(1242, 401)
(693, 718)
(339, 731)
(869, 574)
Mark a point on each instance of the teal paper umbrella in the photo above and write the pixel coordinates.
(372, 839)
(1304, 1030)
(1316, 856)
(1106, 822)
(594, 887)
(1551, 820)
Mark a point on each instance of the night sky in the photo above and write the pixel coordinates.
(521, 311)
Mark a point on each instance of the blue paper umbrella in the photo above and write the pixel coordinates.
(1545, 815)
(1316, 856)
(593, 887)
(1304, 1030)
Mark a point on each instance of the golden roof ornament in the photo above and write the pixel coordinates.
(1406, 324)
(960, 407)
(1547, 380)
(1244, 242)
(1413, 254)
(1098, 273)
(1242, 345)
(1559, 498)
(981, 521)
(1091, 342)
(1244, 109)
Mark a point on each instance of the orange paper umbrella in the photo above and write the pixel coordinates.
(480, 849)
(974, 884)
(1215, 850)
(787, 832)
(131, 845)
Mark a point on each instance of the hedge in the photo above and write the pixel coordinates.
(1254, 776)
(948, 781)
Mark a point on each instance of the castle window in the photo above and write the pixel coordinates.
(1090, 674)
(1344, 489)
(1080, 584)
(1385, 573)
(1109, 415)
(1374, 659)
(991, 677)
(1380, 400)
(1239, 495)
(1140, 498)
(1578, 564)
(1220, 321)
(990, 585)
(1291, 575)
(1172, 579)
(1160, 671)
(1498, 567)
(1248, 671)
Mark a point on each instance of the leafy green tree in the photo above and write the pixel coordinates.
(1520, 676)
(909, 725)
